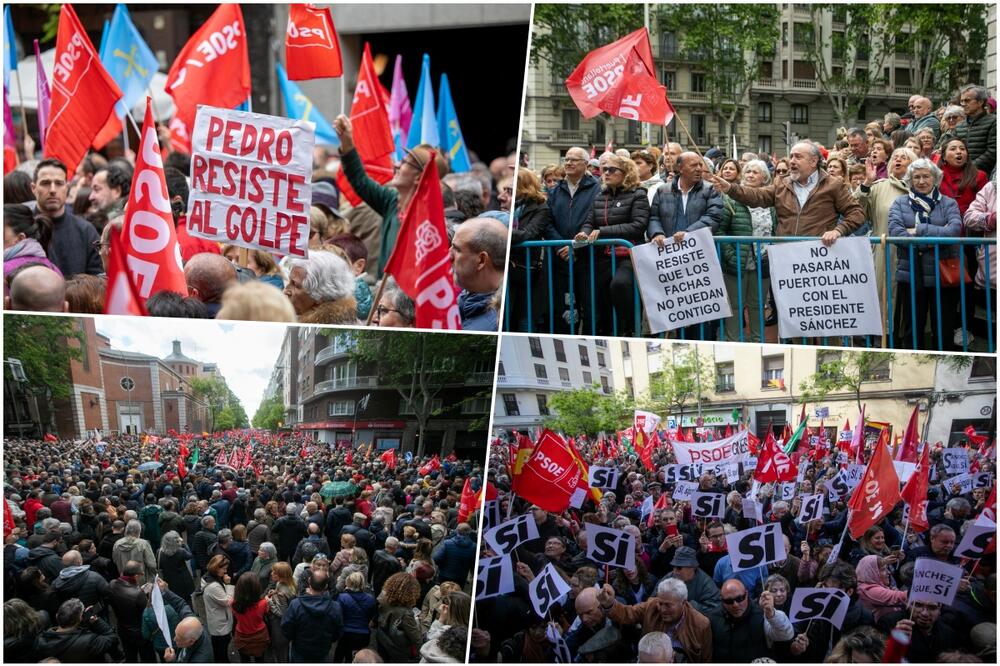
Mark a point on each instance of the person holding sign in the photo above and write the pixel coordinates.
(743, 630)
(924, 211)
(812, 644)
(875, 588)
(620, 211)
(928, 635)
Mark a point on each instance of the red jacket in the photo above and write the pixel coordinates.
(190, 245)
(31, 507)
(949, 186)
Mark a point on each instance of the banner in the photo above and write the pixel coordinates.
(505, 537)
(547, 589)
(819, 603)
(756, 547)
(708, 505)
(495, 577)
(956, 461)
(620, 79)
(611, 547)
(976, 538)
(935, 581)
(753, 510)
(645, 421)
(312, 50)
(731, 449)
(822, 291)
(251, 178)
(680, 284)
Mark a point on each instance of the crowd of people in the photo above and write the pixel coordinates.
(924, 173)
(324, 554)
(57, 241)
(679, 600)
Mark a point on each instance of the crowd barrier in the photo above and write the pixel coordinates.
(983, 303)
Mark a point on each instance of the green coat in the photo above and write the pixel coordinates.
(736, 221)
(152, 630)
(381, 199)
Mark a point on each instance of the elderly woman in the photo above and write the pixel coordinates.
(172, 561)
(924, 211)
(927, 139)
(395, 308)
(837, 167)
(532, 217)
(879, 155)
(740, 272)
(321, 289)
(876, 198)
(952, 117)
(620, 211)
(875, 588)
(267, 556)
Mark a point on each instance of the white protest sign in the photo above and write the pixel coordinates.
(645, 421)
(837, 487)
(680, 283)
(251, 178)
(505, 537)
(935, 581)
(708, 505)
(753, 510)
(491, 514)
(821, 291)
(683, 491)
(547, 589)
(812, 508)
(854, 474)
(904, 470)
(675, 473)
(819, 603)
(756, 547)
(787, 490)
(956, 461)
(834, 552)
(730, 449)
(731, 472)
(961, 484)
(842, 457)
(603, 477)
(750, 462)
(609, 546)
(495, 577)
(977, 536)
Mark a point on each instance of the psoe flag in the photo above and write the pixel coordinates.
(449, 131)
(424, 127)
(300, 107)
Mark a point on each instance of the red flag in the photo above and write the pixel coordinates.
(469, 502)
(911, 438)
(389, 458)
(689, 436)
(8, 518)
(312, 50)
(451, 457)
(914, 493)
(729, 431)
(183, 450)
(156, 454)
(212, 69)
(152, 253)
(349, 458)
(371, 129)
(49, 437)
(644, 448)
(221, 458)
(550, 476)
(83, 94)
(773, 464)
(876, 494)
(181, 470)
(858, 441)
(975, 439)
(122, 295)
(420, 261)
(235, 458)
(432, 465)
(753, 443)
(620, 79)
(661, 503)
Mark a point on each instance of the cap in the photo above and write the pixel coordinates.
(326, 197)
(684, 557)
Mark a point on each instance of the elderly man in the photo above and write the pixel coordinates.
(592, 618)
(128, 600)
(668, 612)
(77, 580)
(857, 142)
(36, 288)
(808, 201)
(979, 129)
(655, 648)
(207, 276)
(134, 548)
(74, 639)
(924, 118)
(941, 540)
(478, 256)
(321, 289)
(192, 644)
(702, 593)
(686, 204)
(73, 247)
(743, 630)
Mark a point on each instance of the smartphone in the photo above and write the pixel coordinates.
(672, 530)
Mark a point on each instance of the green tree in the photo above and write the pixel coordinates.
(420, 365)
(847, 372)
(947, 42)
(728, 42)
(270, 413)
(587, 410)
(684, 376)
(44, 346)
(224, 409)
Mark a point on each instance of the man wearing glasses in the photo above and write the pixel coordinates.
(743, 630)
(73, 247)
(570, 202)
(979, 129)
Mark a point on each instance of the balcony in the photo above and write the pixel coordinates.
(342, 383)
(330, 352)
(523, 381)
(725, 387)
(480, 378)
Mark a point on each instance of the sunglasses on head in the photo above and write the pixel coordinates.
(735, 600)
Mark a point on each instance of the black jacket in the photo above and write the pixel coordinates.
(47, 560)
(128, 602)
(704, 209)
(84, 644)
(88, 586)
(202, 546)
(741, 640)
(383, 565)
(287, 532)
(72, 247)
(619, 214)
(533, 218)
(336, 519)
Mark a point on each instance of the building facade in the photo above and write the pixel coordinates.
(533, 368)
(341, 402)
(963, 395)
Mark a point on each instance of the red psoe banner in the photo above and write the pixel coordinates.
(312, 49)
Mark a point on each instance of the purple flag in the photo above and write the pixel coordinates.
(44, 99)
(400, 111)
(9, 140)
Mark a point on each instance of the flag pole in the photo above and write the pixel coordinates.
(24, 115)
(680, 122)
(376, 299)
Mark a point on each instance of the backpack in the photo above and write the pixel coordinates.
(198, 602)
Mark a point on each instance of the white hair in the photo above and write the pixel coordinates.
(655, 648)
(672, 586)
(133, 528)
(761, 167)
(328, 277)
(923, 164)
(953, 112)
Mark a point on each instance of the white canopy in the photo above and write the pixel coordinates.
(163, 104)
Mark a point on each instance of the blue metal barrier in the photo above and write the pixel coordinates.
(888, 244)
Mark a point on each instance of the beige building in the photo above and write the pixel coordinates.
(763, 383)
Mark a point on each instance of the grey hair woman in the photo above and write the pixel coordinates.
(395, 308)
(321, 289)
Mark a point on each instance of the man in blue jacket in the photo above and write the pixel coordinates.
(313, 622)
(478, 257)
(570, 202)
(456, 556)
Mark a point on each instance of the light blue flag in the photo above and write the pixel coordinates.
(9, 47)
(243, 106)
(299, 107)
(424, 127)
(104, 36)
(449, 131)
(128, 59)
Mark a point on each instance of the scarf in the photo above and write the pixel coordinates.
(27, 247)
(923, 204)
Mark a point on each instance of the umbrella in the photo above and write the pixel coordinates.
(149, 466)
(332, 489)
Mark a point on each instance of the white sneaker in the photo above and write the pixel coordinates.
(958, 338)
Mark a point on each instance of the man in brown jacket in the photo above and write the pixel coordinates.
(669, 612)
(808, 201)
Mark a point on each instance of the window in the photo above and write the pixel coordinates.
(698, 125)
(983, 367)
(543, 407)
(764, 144)
(800, 114)
(824, 360)
(763, 112)
(340, 408)
(668, 45)
(784, 34)
(725, 377)
(584, 357)
(570, 119)
(564, 375)
(879, 371)
(588, 379)
(862, 113)
(476, 405)
(600, 360)
(501, 370)
(510, 404)
(670, 79)
(784, 69)
(774, 372)
(603, 344)
(604, 385)
(803, 69)
(653, 347)
(805, 35)
(698, 83)
(629, 388)
(766, 70)
(405, 408)
(536, 347)
(903, 76)
(560, 350)
(625, 350)
(540, 372)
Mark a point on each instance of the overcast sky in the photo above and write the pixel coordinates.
(245, 352)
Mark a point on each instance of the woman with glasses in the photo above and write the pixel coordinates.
(620, 211)
(781, 168)
(395, 309)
